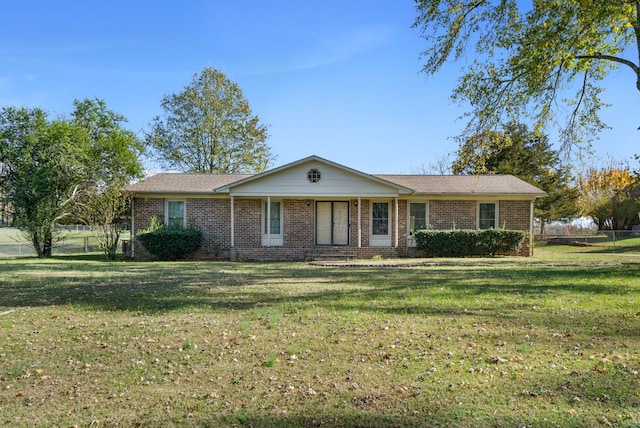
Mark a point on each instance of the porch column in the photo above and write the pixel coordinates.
(395, 234)
(233, 232)
(132, 241)
(531, 210)
(359, 222)
(268, 221)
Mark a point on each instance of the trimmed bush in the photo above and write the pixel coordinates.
(500, 241)
(463, 243)
(170, 243)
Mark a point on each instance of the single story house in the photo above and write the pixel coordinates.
(315, 208)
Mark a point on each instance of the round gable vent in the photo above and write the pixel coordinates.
(313, 175)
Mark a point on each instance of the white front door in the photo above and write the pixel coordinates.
(332, 223)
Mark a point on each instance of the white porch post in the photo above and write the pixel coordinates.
(395, 234)
(531, 210)
(233, 232)
(359, 222)
(132, 241)
(268, 220)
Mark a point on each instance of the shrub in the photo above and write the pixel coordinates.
(167, 243)
(461, 243)
(500, 241)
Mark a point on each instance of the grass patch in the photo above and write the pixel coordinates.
(548, 341)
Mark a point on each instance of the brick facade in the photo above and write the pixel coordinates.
(213, 218)
(445, 215)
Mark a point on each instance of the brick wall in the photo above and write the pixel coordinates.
(248, 222)
(298, 223)
(144, 209)
(212, 218)
(445, 215)
(514, 215)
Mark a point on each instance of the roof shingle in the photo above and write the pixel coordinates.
(184, 183)
(464, 184)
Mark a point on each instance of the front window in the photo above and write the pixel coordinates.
(417, 217)
(272, 224)
(487, 215)
(175, 214)
(380, 218)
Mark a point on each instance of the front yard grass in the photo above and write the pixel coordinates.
(548, 341)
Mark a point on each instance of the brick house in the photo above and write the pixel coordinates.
(315, 208)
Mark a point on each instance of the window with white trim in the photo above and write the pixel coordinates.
(272, 223)
(175, 214)
(380, 219)
(487, 215)
(417, 216)
(275, 219)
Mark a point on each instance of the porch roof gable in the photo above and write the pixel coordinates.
(333, 180)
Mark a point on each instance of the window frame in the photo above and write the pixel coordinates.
(373, 220)
(271, 239)
(410, 233)
(495, 214)
(167, 220)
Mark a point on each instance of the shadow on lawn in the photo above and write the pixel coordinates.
(156, 287)
(168, 286)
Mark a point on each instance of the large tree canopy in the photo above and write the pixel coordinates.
(44, 165)
(50, 168)
(546, 63)
(209, 127)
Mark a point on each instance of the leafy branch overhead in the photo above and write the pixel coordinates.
(209, 127)
(547, 64)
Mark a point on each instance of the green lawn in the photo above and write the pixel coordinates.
(552, 340)
(14, 244)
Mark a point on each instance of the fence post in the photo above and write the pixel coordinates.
(86, 244)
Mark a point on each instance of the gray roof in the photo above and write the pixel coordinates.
(458, 185)
(464, 184)
(184, 183)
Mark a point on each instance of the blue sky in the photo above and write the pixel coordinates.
(338, 78)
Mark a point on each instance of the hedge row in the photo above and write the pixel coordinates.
(461, 243)
(170, 243)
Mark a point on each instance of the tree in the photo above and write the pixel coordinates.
(107, 214)
(529, 156)
(50, 167)
(43, 163)
(608, 195)
(441, 166)
(526, 64)
(113, 161)
(113, 152)
(209, 127)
